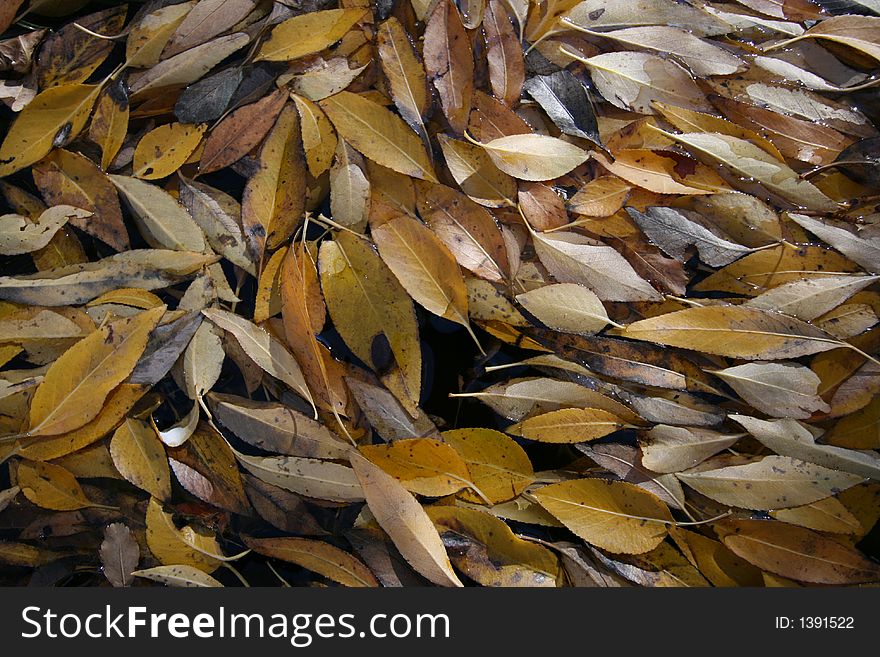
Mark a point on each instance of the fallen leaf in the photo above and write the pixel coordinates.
(589, 507)
(120, 554)
(405, 521)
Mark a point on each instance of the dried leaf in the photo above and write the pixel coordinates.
(778, 389)
(449, 61)
(50, 486)
(424, 266)
(733, 331)
(20, 235)
(51, 120)
(179, 576)
(140, 458)
(534, 157)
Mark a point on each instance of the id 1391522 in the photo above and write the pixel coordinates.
(815, 622)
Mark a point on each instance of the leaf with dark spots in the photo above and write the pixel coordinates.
(71, 55)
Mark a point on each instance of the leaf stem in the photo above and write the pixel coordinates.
(235, 572)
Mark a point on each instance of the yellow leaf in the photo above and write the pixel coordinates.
(51, 487)
(308, 33)
(318, 556)
(534, 157)
(566, 307)
(164, 150)
(76, 385)
(796, 553)
(262, 348)
(771, 483)
(733, 331)
(405, 521)
(178, 575)
(423, 465)
(186, 546)
(109, 125)
(488, 552)
(613, 515)
(318, 136)
(140, 458)
(274, 198)
(378, 134)
(117, 405)
(425, 268)
(498, 466)
(370, 309)
(52, 119)
(568, 425)
(405, 73)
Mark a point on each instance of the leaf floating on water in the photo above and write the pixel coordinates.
(733, 331)
(180, 576)
(406, 522)
(590, 507)
(120, 554)
(796, 553)
(773, 482)
(303, 256)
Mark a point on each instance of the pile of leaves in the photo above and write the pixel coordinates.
(404, 292)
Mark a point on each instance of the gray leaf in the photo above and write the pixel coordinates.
(119, 554)
(566, 102)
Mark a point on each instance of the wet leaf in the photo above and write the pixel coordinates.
(120, 554)
(140, 458)
(771, 483)
(323, 558)
(589, 507)
(75, 386)
(796, 553)
(406, 522)
(307, 34)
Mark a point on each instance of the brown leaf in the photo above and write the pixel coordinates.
(120, 554)
(449, 61)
